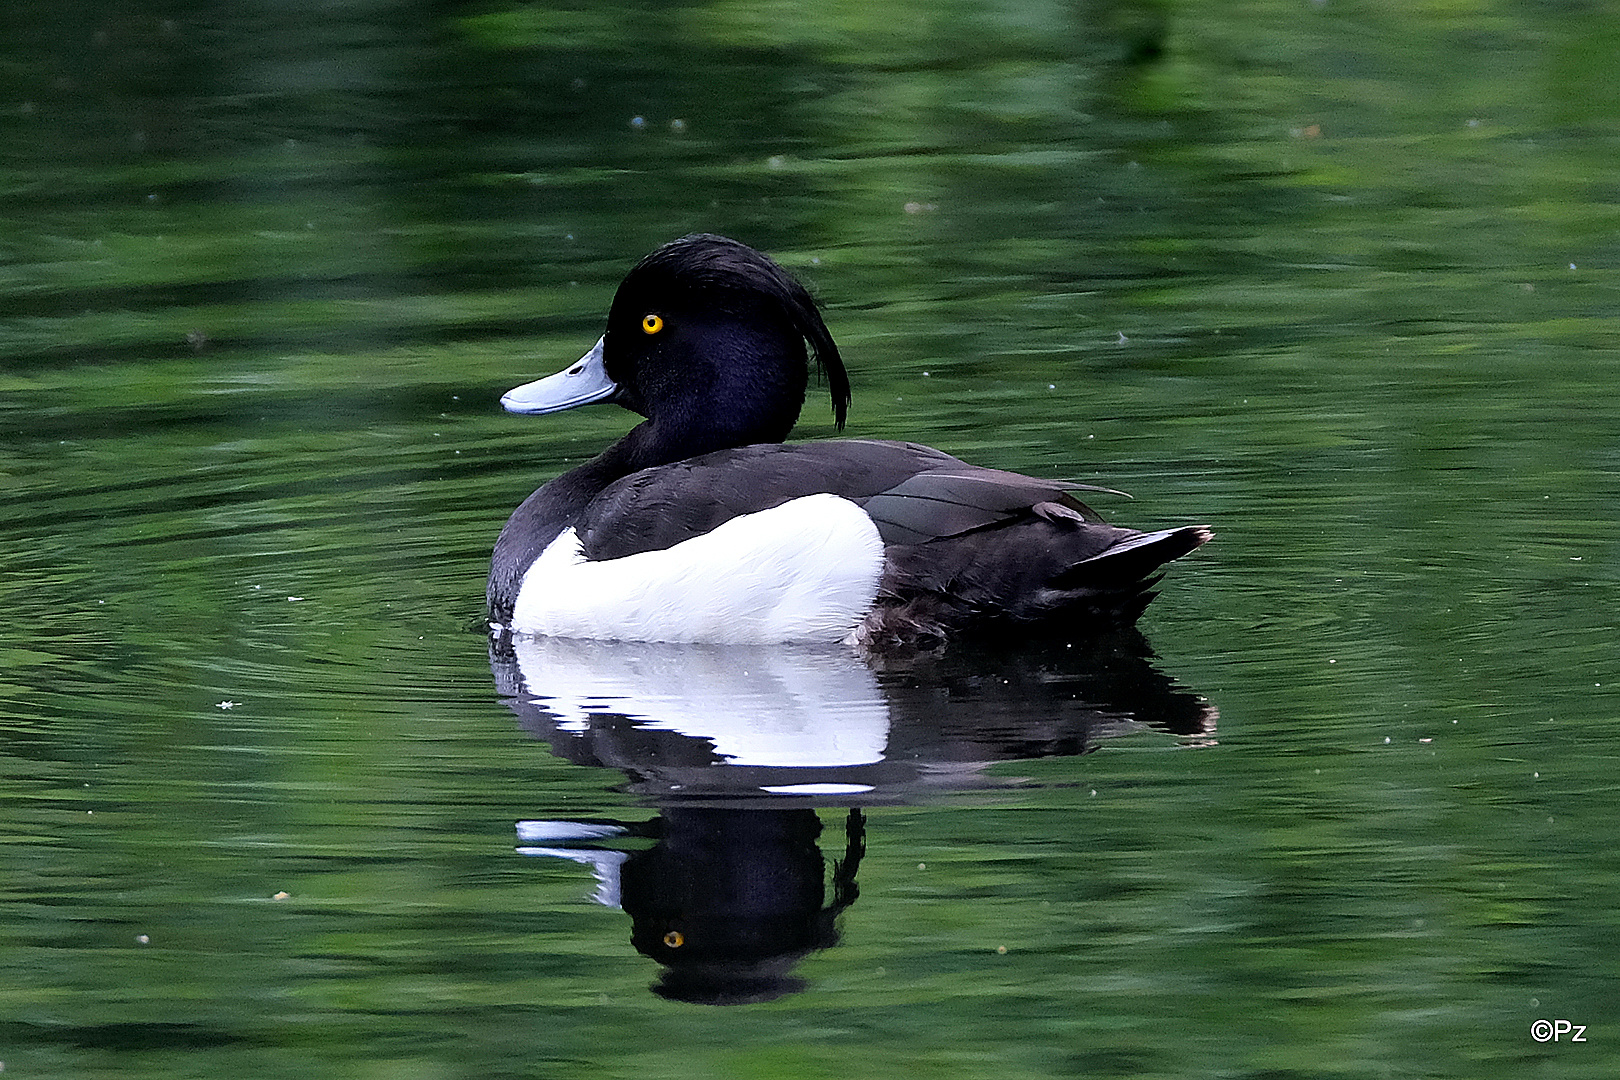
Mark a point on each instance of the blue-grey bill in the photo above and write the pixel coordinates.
(582, 382)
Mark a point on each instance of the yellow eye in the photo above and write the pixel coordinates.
(674, 939)
(651, 324)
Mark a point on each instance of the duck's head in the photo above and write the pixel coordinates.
(706, 338)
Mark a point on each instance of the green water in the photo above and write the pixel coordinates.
(1337, 279)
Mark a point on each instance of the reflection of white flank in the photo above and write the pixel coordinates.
(803, 571)
(759, 705)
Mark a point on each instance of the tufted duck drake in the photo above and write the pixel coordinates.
(701, 525)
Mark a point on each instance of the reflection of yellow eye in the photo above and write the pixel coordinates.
(651, 324)
(674, 939)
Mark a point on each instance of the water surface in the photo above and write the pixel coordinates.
(1336, 280)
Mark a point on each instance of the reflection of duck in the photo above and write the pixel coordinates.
(731, 725)
(740, 745)
(728, 901)
(699, 525)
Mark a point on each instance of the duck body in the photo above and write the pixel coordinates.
(700, 524)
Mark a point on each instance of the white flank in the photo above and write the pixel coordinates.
(803, 571)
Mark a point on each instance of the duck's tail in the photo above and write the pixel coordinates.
(1053, 571)
(1117, 584)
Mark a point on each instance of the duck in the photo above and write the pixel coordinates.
(703, 524)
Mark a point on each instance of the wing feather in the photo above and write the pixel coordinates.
(913, 493)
